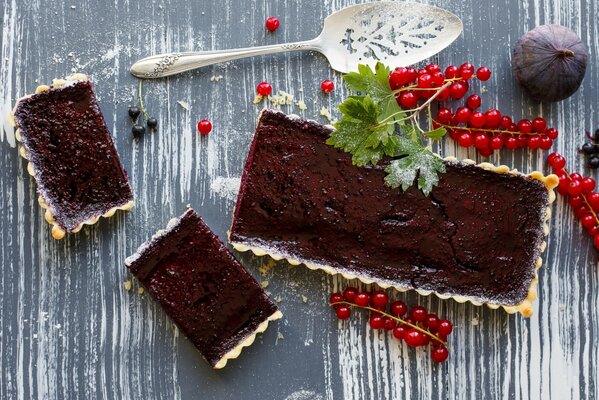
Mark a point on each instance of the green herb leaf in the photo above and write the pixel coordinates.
(436, 134)
(417, 161)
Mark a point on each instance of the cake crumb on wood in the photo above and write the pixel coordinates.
(140, 290)
(127, 285)
(304, 299)
(264, 284)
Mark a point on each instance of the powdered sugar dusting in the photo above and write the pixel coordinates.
(226, 188)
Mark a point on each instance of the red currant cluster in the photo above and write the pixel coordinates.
(411, 85)
(418, 329)
(486, 131)
(581, 196)
(489, 131)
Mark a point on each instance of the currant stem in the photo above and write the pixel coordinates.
(584, 197)
(415, 85)
(431, 335)
(141, 101)
(469, 129)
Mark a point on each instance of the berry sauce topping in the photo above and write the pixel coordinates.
(272, 24)
(487, 131)
(204, 127)
(581, 195)
(421, 329)
(264, 89)
(327, 86)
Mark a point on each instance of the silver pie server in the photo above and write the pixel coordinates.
(395, 33)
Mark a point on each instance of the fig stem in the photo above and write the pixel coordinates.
(567, 53)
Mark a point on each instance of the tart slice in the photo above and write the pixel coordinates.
(215, 302)
(71, 155)
(477, 237)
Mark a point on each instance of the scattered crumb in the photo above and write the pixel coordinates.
(483, 89)
(226, 187)
(279, 337)
(127, 285)
(304, 299)
(140, 290)
(281, 99)
(267, 266)
(258, 99)
(278, 299)
(326, 113)
(183, 104)
(264, 284)
(474, 321)
(268, 293)
(188, 205)
(301, 105)
(73, 7)
(35, 335)
(216, 78)
(562, 307)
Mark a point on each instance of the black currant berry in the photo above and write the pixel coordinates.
(134, 112)
(588, 148)
(138, 130)
(596, 136)
(152, 123)
(594, 162)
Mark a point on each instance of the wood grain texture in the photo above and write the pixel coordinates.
(68, 329)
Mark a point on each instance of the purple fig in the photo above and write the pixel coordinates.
(549, 62)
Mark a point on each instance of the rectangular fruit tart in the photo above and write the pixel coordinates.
(215, 302)
(477, 237)
(71, 155)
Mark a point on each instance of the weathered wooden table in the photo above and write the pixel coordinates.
(68, 328)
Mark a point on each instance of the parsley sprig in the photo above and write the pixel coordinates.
(373, 127)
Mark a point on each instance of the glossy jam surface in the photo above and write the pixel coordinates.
(76, 165)
(202, 287)
(477, 234)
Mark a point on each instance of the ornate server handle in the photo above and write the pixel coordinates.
(173, 63)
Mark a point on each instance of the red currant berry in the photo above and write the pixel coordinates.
(418, 313)
(575, 188)
(552, 133)
(463, 114)
(389, 323)
(444, 116)
(349, 294)
(506, 122)
(376, 321)
(594, 230)
(539, 125)
(327, 86)
(486, 152)
(458, 90)
(414, 338)
(556, 161)
(596, 242)
(439, 354)
(204, 127)
(399, 308)
(412, 74)
(474, 101)
(588, 184)
(477, 119)
(546, 142)
(437, 79)
(483, 73)
(398, 77)
(343, 312)
(481, 140)
(452, 72)
(576, 177)
(522, 141)
(425, 81)
(432, 68)
(445, 327)
(588, 221)
(432, 322)
(408, 99)
(336, 298)
(593, 199)
(511, 143)
(534, 142)
(272, 24)
(379, 299)
(576, 201)
(581, 211)
(444, 95)
(524, 126)
(466, 70)
(465, 139)
(399, 332)
(492, 119)
(264, 89)
(496, 142)
(362, 299)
